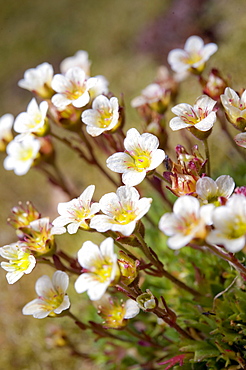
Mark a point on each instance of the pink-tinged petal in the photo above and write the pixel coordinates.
(240, 139)
(177, 123)
(90, 116)
(109, 203)
(133, 178)
(132, 309)
(176, 58)
(204, 102)
(225, 185)
(35, 307)
(207, 123)
(194, 44)
(88, 253)
(101, 102)
(82, 100)
(92, 83)
(64, 306)
(73, 228)
(208, 50)
(178, 241)
(43, 284)
(60, 281)
(132, 139)
(107, 248)
(230, 95)
(119, 162)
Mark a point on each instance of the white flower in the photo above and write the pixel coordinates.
(115, 313)
(76, 212)
(209, 190)
(20, 261)
(229, 222)
(79, 59)
(151, 94)
(121, 211)
(240, 139)
(6, 123)
(235, 107)
(52, 299)
(73, 88)
(141, 156)
(193, 57)
(21, 155)
(33, 120)
(101, 268)
(101, 87)
(187, 222)
(201, 116)
(38, 80)
(102, 117)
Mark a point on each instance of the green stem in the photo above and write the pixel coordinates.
(156, 262)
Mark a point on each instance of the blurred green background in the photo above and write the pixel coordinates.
(126, 41)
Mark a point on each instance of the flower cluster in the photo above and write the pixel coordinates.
(184, 202)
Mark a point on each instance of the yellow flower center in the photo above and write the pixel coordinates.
(142, 160)
(52, 300)
(125, 216)
(102, 270)
(238, 229)
(105, 118)
(26, 154)
(193, 58)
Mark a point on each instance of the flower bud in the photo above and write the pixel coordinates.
(147, 301)
(128, 268)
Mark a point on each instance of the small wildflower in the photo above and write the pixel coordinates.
(73, 88)
(38, 237)
(235, 108)
(76, 213)
(101, 268)
(121, 211)
(38, 80)
(193, 57)
(187, 222)
(79, 59)
(229, 223)
(140, 157)
(240, 139)
(201, 116)
(128, 268)
(23, 214)
(21, 155)
(20, 261)
(52, 298)
(209, 191)
(101, 87)
(215, 85)
(6, 135)
(114, 313)
(33, 121)
(155, 96)
(103, 116)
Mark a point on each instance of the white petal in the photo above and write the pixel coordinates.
(177, 123)
(132, 309)
(88, 253)
(43, 285)
(60, 281)
(73, 228)
(133, 178)
(119, 162)
(225, 185)
(107, 248)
